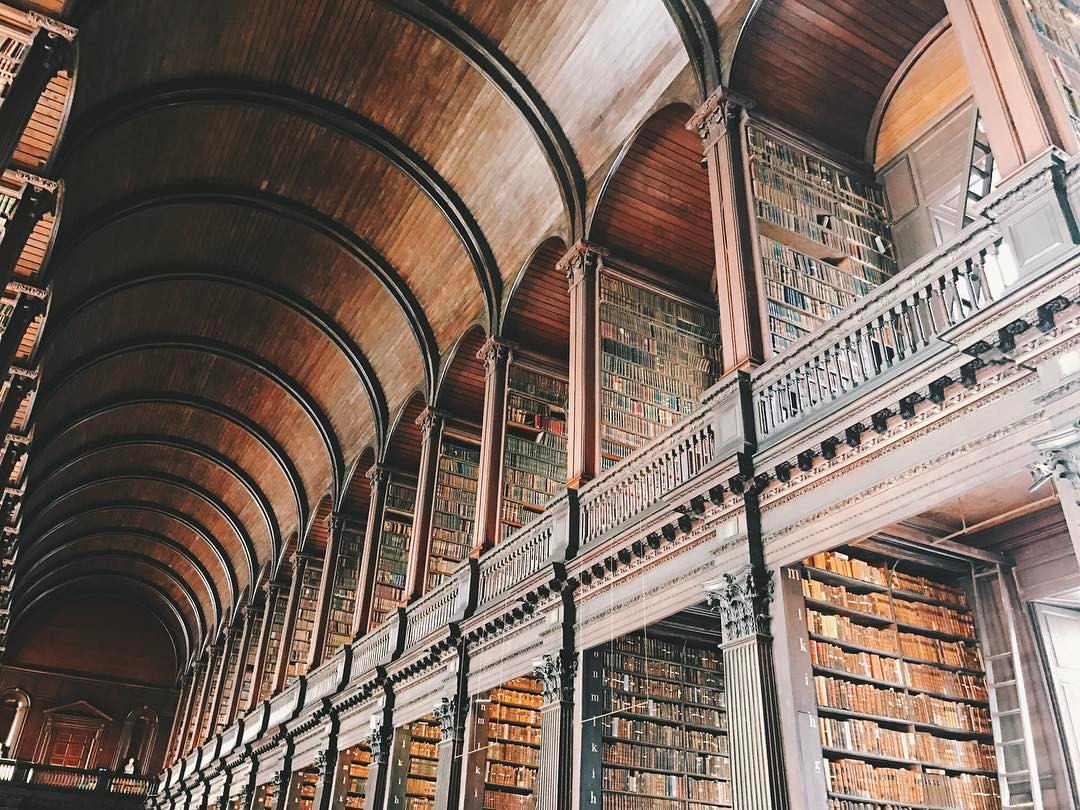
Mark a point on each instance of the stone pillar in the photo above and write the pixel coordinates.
(49, 53)
(273, 594)
(741, 600)
(496, 355)
(431, 425)
(380, 479)
(450, 713)
(247, 638)
(582, 264)
(1014, 86)
(557, 672)
(281, 670)
(335, 524)
(720, 122)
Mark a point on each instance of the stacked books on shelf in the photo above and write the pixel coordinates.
(339, 630)
(305, 783)
(534, 464)
(1057, 24)
(423, 761)
(823, 235)
(658, 355)
(304, 625)
(511, 740)
(265, 798)
(663, 724)
(455, 508)
(904, 716)
(273, 647)
(355, 763)
(393, 563)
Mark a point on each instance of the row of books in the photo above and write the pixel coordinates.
(866, 736)
(858, 779)
(659, 309)
(669, 786)
(512, 752)
(497, 800)
(625, 331)
(841, 283)
(394, 544)
(934, 617)
(401, 497)
(842, 628)
(924, 677)
(516, 698)
(847, 565)
(499, 774)
(836, 693)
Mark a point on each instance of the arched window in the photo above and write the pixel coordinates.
(14, 706)
(137, 740)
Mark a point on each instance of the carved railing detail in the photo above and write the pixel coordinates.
(325, 680)
(435, 610)
(376, 648)
(641, 481)
(54, 777)
(896, 323)
(522, 554)
(283, 706)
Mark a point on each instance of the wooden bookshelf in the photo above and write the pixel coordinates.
(393, 563)
(355, 763)
(248, 678)
(902, 701)
(661, 724)
(225, 698)
(265, 798)
(1058, 30)
(305, 783)
(823, 234)
(273, 647)
(504, 759)
(414, 764)
(658, 355)
(534, 460)
(454, 515)
(339, 630)
(304, 625)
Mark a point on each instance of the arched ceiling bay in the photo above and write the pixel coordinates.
(279, 220)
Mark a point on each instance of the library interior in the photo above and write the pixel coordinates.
(550, 405)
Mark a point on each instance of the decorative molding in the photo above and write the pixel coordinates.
(28, 290)
(30, 179)
(378, 475)
(52, 26)
(445, 712)
(378, 743)
(556, 672)
(721, 109)
(581, 261)
(1059, 456)
(495, 353)
(741, 600)
(429, 420)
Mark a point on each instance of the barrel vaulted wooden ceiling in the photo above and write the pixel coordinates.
(281, 217)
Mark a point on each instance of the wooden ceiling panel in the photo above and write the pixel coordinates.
(655, 208)
(403, 450)
(119, 464)
(358, 490)
(461, 393)
(229, 241)
(822, 65)
(538, 313)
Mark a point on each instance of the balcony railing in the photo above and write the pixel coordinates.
(81, 780)
(523, 553)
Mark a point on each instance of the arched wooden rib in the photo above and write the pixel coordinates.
(701, 38)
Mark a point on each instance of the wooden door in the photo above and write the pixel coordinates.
(70, 747)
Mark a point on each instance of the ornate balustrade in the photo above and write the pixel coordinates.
(54, 777)
(525, 552)
(436, 609)
(328, 678)
(378, 647)
(286, 703)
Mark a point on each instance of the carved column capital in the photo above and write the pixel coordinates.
(429, 420)
(1059, 456)
(51, 25)
(324, 764)
(378, 475)
(445, 711)
(378, 742)
(722, 109)
(281, 780)
(556, 674)
(495, 353)
(581, 261)
(741, 600)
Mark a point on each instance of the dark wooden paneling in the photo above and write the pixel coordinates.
(822, 65)
(357, 498)
(538, 314)
(403, 452)
(655, 208)
(462, 391)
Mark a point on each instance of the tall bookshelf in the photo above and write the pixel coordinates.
(394, 544)
(307, 606)
(273, 647)
(305, 783)
(660, 725)
(658, 355)
(227, 688)
(902, 702)
(505, 753)
(414, 764)
(454, 514)
(1057, 25)
(354, 777)
(534, 460)
(339, 630)
(265, 798)
(248, 677)
(823, 233)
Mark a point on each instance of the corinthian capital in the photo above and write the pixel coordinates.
(580, 261)
(741, 600)
(495, 353)
(720, 110)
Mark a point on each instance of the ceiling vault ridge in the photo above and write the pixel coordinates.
(145, 506)
(233, 91)
(701, 38)
(146, 343)
(330, 328)
(250, 427)
(277, 205)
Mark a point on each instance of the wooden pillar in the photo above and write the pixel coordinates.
(496, 355)
(48, 54)
(741, 600)
(450, 713)
(582, 264)
(273, 594)
(35, 203)
(20, 384)
(431, 426)
(335, 524)
(379, 478)
(281, 670)
(380, 742)
(247, 638)
(180, 720)
(558, 673)
(326, 764)
(720, 122)
(215, 679)
(1014, 87)
(195, 721)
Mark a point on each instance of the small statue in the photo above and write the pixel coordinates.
(129, 766)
